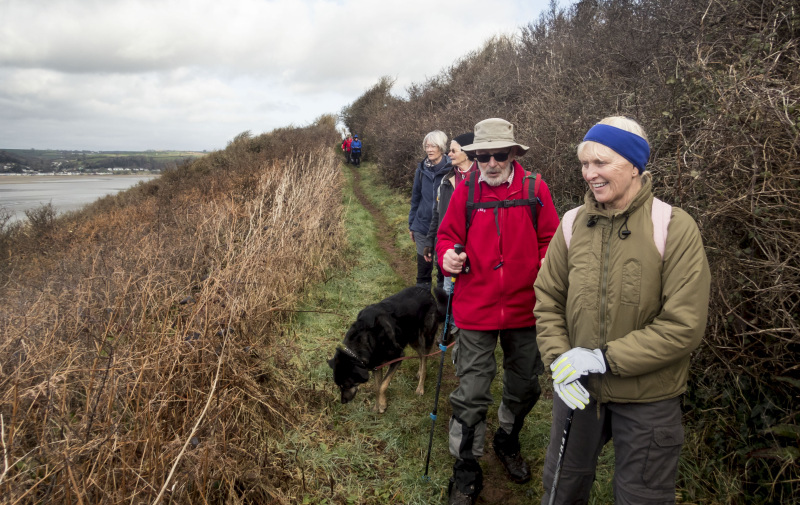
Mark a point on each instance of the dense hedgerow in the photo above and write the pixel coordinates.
(717, 87)
(139, 357)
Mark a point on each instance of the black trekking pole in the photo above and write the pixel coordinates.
(443, 347)
(560, 462)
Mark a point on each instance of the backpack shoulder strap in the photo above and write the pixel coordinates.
(533, 198)
(470, 181)
(567, 222)
(661, 214)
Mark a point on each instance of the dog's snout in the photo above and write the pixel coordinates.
(349, 393)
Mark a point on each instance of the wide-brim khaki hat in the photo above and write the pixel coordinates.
(494, 133)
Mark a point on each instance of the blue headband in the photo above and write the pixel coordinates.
(628, 145)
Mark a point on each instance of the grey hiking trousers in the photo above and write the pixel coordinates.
(647, 444)
(473, 355)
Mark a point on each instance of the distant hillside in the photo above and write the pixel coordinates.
(6, 157)
(59, 161)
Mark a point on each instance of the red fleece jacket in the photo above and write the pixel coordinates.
(504, 253)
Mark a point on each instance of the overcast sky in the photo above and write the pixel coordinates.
(192, 74)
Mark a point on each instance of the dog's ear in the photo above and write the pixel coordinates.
(362, 373)
(332, 362)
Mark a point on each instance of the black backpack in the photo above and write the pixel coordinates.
(530, 201)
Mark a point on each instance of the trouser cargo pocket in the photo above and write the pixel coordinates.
(662, 457)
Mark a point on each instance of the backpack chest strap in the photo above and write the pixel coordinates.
(504, 204)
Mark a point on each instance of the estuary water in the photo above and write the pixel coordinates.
(19, 193)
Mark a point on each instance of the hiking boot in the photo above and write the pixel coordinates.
(517, 468)
(457, 497)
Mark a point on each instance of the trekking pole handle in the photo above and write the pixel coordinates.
(458, 248)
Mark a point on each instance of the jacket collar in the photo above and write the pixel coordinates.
(451, 175)
(442, 167)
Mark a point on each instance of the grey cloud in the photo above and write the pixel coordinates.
(110, 73)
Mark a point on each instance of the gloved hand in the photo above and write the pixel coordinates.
(575, 363)
(427, 252)
(573, 394)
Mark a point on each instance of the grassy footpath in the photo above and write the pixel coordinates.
(348, 453)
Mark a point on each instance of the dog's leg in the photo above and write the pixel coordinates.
(378, 375)
(423, 369)
(384, 385)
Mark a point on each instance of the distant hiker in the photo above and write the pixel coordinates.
(427, 177)
(462, 166)
(355, 151)
(493, 300)
(621, 304)
(346, 148)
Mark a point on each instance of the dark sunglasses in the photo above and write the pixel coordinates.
(498, 157)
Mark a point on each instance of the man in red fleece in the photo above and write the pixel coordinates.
(346, 148)
(493, 300)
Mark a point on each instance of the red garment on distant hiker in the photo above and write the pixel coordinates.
(504, 254)
(346, 144)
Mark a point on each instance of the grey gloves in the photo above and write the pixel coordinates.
(571, 366)
(577, 362)
(573, 394)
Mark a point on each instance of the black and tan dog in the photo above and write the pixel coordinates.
(380, 334)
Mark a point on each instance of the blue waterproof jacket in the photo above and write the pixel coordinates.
(355, 146)
(423, 194)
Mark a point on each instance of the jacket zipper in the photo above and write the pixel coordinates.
(604, 300)
(500, 267)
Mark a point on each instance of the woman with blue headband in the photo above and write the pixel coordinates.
(621, 303)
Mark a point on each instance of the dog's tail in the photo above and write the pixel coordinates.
(441, 303)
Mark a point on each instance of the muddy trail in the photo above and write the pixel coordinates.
(498, 489)
(401, 266)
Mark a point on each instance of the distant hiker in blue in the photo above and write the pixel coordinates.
(355, 150)
(423, 196)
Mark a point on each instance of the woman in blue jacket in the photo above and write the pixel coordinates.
(423, 196)
(355, 151)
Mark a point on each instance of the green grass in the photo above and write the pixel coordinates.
(380, 458)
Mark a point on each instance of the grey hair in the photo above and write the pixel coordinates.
(438, 138)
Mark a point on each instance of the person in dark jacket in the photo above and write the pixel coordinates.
(355, 151)
(494, 302)
(423, 194)
(463, 165)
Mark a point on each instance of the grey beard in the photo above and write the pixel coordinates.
(503, 177)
